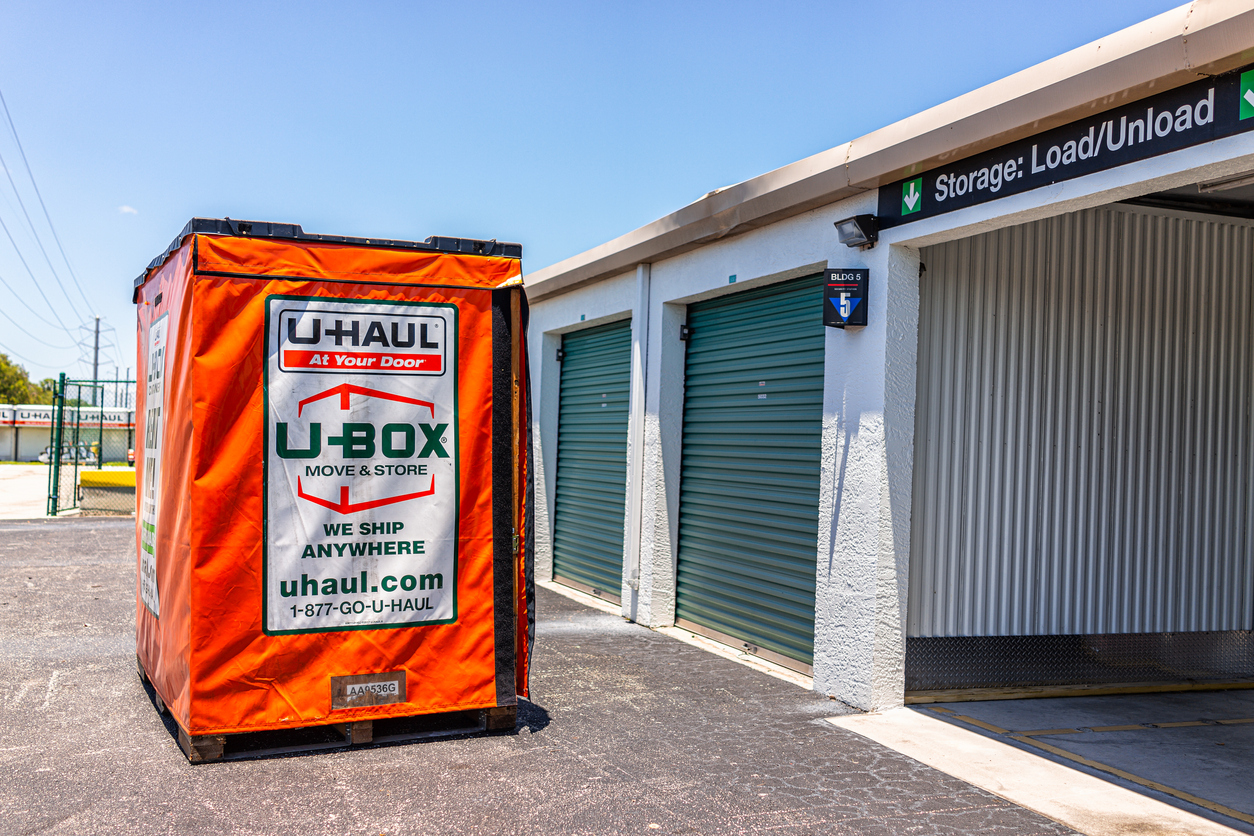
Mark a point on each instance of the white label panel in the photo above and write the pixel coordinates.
(154, 435)
(361, 464)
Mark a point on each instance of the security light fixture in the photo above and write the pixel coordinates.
(860, 231)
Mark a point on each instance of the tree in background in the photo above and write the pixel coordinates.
(46, 391)
(16, 387)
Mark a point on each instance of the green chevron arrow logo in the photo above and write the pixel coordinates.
(1247, 94)
(912, 196)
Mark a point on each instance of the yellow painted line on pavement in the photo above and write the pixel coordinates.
(1184, 725)
(1133, 727)
(981, 724)
(953, 695)
(969, 720)
(1049, 731)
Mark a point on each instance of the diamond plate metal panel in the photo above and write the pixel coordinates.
(962, 662)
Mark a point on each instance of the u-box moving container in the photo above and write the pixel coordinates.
(333, 518)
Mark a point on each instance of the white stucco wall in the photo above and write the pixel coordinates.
(864, 497)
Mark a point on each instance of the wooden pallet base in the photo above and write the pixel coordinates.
(207, 748)
(143, 678)
(202, 748)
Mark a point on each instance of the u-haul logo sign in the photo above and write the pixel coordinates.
(379, 342)
(361, 464)
(396, 440)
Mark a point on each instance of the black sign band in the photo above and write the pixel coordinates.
(1191, 115)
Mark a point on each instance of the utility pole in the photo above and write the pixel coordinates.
(95, 363)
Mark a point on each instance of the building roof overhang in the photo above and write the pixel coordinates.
(1204, 38)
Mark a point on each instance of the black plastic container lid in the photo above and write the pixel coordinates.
(293, 232)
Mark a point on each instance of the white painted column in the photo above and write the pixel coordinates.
(659, 485)
(635, 441)
(864, 502)
(546, 377)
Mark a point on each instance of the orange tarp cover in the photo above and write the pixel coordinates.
(270, 543)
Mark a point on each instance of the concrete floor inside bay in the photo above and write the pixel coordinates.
(628, 731)
(1198, 744)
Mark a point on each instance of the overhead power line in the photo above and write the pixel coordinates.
(29, 334)
(35, 233)
(51, 307)
(30, 174)
(11, 353)
(19, 298)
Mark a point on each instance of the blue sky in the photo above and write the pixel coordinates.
(558, 125)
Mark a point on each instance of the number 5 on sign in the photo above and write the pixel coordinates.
(845, 297)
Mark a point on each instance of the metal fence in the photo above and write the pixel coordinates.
(92, 472)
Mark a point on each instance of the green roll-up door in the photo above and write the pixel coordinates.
(749, 488)
(592, 458)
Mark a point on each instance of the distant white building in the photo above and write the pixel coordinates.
(26, 430)
(1033, 467)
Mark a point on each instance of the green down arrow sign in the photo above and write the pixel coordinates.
(912, 196)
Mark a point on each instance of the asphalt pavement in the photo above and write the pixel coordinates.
(628, 731)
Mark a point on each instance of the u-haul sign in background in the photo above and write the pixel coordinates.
(361, 464)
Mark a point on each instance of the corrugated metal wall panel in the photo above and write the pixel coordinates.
(592, 457)
(749, 486)
(1083, 448)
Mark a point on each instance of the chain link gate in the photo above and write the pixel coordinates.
(91, 458)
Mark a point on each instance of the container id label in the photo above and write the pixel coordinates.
(367, 689)
(361, 493)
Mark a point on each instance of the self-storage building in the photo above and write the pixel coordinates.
(1023, 458)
